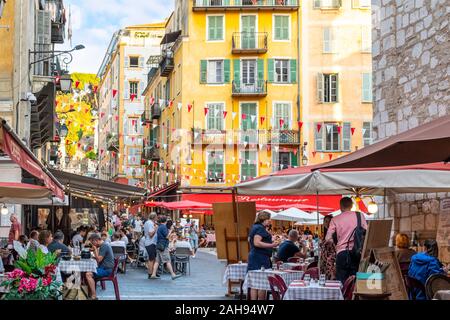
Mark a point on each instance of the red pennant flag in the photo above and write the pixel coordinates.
(225, 114)
(281, 123)
(102, 114)
(206, 111)
(300, 125)
(77, 83)
(56, 103)
(353, 130)
(113, 154)
(133, 96)
(171, 103)
(319, 126)
(147, 125)
(133, 122)
(314, 154)
(189, 107)
(79, 144)
(262, 120)
(244, 116)
(101, 151)
(95, 89)
(339, 129)
(114, 93)
(330, 156)
(116, 118)
(152, 100)
(295, 152)
(133, 138)
(57, 79)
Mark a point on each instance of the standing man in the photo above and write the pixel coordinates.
(104, 256)
(150, 229)
(14, 231)
(162, 249)
(342, 228)
(194, 237)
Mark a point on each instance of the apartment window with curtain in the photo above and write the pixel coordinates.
(215, 28)
(248, 164)
(133, 127)
(134, 88)
(366, 39)
(329, 40)
(215, 71)
(332, 139)
(134, 62)
(281, 28)
(282, 111)
(328, 88)
(215, 163)
(215, 116)
(367, 133)
(282, 70)
(367, 87)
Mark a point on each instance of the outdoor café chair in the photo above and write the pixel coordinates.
(413, 286)
(183, 259)
(282, 283)
(312, 265)
(436, 283)
(121, 254)
(112, 278)
(294, 260)
(313, 272)
(276, 288)
(349, 287)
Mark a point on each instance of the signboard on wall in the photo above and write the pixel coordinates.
(443, 231)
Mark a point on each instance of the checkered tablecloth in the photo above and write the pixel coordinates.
(312, 292)
(78, 266)
(235, 272)
(257, 279)
(290, 265)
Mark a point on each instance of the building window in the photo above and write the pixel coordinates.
(134, 156)
(366, 39)
(282, 71)
(282, 116)
(248, 165)
(215, 116)
(282, 28)
(215, 28)
(329, 40)
(134, 62)
(367, 133)
(362, 4)
(215, 166)
(327, 4)
(248, 72)
(328, 87)
(367, 87)
(215, 71)
(133, 128)
(332, 137)
(134, 88)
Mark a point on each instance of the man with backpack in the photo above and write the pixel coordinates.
(347, 230)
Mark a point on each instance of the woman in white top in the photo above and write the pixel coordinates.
(45, 238)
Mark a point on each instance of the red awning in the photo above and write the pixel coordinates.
(186, 204)
(20, 154)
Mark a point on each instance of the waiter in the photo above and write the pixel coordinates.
(14, 231)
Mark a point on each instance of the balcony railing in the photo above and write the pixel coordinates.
(152, 73)
(258, 88)
(211, 5)
(249, 42)
(166, 66)
(150, 153)
(156, 111)
(146, 117)
(245, 137)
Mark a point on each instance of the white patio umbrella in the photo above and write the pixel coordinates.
(293, 215)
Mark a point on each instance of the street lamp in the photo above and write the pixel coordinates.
(53, 54)
(4, 210)
(304, 154)
(66, 83)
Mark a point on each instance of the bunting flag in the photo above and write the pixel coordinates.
(364, 132)
(113, 154)
(171, 103)
(322, 156)
(330, 156)
(56, 103)
(260, 146)
(224, 113)
(276, 148)
(319, 126)
(152, 101)
(281, 123)
(95, 89)
(133, 96)
(339, 129)
(295, 152)
(189, 107)
(300, 125)
(102, 114)
(328, 128)
(353, 130)
(253, 118)
(234, 160)
(77, 84)
(262, 119)
(116, 117)
(244, 116)
(180, 105)
(314, 154)
(234, 115)
(161, 102)
(206, 111)
(114, 93)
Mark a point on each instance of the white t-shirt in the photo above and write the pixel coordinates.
(125, 240)
(118, 243)
(183, 244)
(149, 226)
(43, 248)
(138, 226)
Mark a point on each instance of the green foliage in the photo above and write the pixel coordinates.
(91, 155)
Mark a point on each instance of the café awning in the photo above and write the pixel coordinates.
(22, 193)
(11, 145)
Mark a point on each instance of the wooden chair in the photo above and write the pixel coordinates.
(413, 286)
(349, 287)
(436, 283)
(112, 278)
(276, 288)
(313, 272)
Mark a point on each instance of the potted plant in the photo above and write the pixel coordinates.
(34, 278)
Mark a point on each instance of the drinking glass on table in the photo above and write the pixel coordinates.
(322, 280)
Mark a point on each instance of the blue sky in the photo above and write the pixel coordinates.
(95, 21)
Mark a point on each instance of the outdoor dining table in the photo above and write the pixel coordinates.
(291, 265)
(442, 295)
(298, 290)
(76, 267)
(258, 279)
(235, 274)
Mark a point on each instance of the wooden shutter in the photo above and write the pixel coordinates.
(127, 62)
(237, 71)
(294, 159)
(270, 70)
(260, 69)
(318, 136)
(285, 27)
(141, 62)
(367, 87)
(211, 28)
(327, 40)
(278, 28)
(337, 86)
(203, 71)
(43, 28)
(219, 27)
(126, 90)
(320, 88)
(346, 137)
(293, 66)
(226, 71)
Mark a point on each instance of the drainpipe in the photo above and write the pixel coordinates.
(300, 156)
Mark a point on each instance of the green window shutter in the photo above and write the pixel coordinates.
(293, 65)
(219, 28)
(277, 27)
(318, 136)
(226, 71)
(261, 69)
(211, 28)
(126, 91)
(320, 89)
(237, 70)
(294, 159)
(367, 87)
(285, 28)
(337, 88)
(203, 71)
(346, 137)
(271, 70)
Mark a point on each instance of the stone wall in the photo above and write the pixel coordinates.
(411, 79)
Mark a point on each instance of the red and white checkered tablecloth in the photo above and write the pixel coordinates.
(235, 272)
(297, 291)
(257, 279)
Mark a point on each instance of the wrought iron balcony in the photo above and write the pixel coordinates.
(155, 111)
(166, 65)
(209, 137)
(218, 5)
(286, 137)
(146, 117)
(256, 89)
(151, 74)
(249, 42)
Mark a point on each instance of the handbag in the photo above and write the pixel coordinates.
(160, 246)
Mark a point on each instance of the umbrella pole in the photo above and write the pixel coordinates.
(236, 219)
(318, 224)
(384, 205)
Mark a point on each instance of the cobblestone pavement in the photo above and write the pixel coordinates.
(204, 283)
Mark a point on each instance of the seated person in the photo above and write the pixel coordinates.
(184, 243)
(123, 236)
(58, 246)
(117, 241)
(23, 239)
(78, 238)
(402, 250)
(104, 256)
(105, 237)
(425, 264)
(288, 249)
(34, 242)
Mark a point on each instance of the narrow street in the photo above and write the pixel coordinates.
(204, 283)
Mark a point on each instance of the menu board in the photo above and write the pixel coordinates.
(443, 231)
